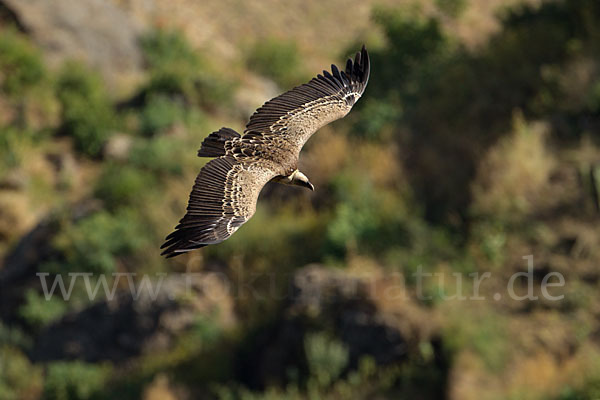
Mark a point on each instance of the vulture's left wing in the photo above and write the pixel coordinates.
(298, 113)
(223, 198)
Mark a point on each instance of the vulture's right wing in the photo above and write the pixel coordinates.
(298, 113)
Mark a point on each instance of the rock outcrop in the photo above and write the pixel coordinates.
(127, 327)
(371, 314)
(94, 31)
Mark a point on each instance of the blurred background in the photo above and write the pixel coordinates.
(475, 144)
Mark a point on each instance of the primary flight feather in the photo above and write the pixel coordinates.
(226, 190)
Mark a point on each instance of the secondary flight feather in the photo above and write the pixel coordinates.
(226, 190)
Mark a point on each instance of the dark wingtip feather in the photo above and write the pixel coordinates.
(177, 248)
(335, 71)
(365, 67)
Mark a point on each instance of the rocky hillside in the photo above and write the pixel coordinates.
(450, 250)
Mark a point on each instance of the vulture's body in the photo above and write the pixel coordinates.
(226, 190)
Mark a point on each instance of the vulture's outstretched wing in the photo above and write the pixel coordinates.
(298, 113)
(223, 198)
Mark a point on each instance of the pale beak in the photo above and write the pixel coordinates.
(301, 180)
(304, 183)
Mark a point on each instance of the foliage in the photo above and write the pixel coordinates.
(177, 70)
(366, 219)
(93, 243)
(13, 336)
(165, 49)
(276, 59)
(123, 185)
(172, 62)
(13, 144)
(514, 173)
(74, 380)
(452, 8)
(39, 312)
(485, 335)
(375, 116)
(590, 391)
(414, 43)
(19, 379)
(87, 114)
(21, 65)
(326, 358)
(160, 114)
(159, 155)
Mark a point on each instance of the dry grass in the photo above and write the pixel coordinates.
(159, 389)
(513, 174)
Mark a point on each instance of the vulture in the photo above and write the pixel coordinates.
(226, 190)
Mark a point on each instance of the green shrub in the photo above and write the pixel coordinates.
(589, 391)
(14, 336)
(486, 335)
(93, 243)
(278, 60)
(166, 49)
(326, 357)
(74, 380)
(21, 64)
(39, 312)
(19, 379)
(13, 142)
(374, 117)
(87, 114)
(365, 219)
(176, 69)
(414, 41)
(452, 8)
(172, 62)
(159, 114)
(593, 97)
(159, 155)
(123, 185)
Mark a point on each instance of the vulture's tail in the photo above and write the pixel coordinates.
(214, 144)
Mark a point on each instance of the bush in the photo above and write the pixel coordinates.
(452, 8)
(366, 220)
(13, 143)
(278, 60)
(589, 391)
(159, 155)
(414, 42)
(159, 114)
(176, 69)
(93, 243)
(512, 176)
(87, 114)
(123, 185)
(326, 358)
(39, 312)
(164, 50)
(172, 62)
(485, 335)
(21, 65)
(374, 117)
(18, 378)
(13, 336)
(74, 380)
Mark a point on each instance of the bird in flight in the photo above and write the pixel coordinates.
(226, 190)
